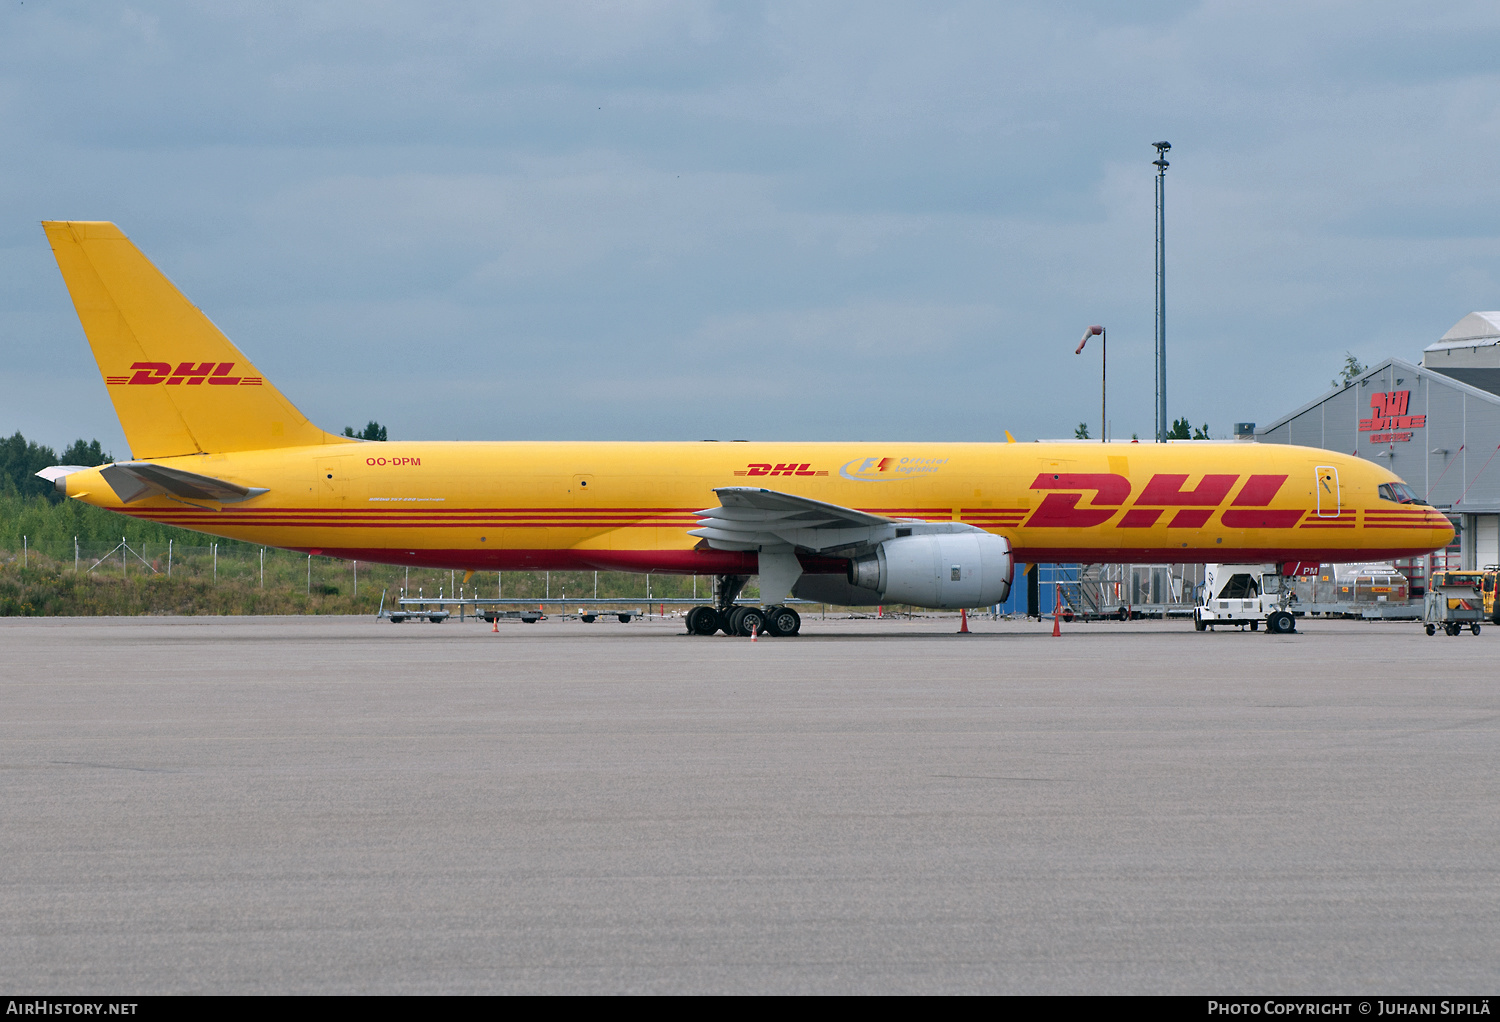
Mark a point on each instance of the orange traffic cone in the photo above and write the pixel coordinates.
(754, 634)
(497, 624)
(963, 621)
(1057, 615)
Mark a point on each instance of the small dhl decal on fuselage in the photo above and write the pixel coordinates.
(149, 374)
(766, 468)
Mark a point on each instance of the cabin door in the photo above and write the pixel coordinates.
(1327, 489)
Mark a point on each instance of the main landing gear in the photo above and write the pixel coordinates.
(742, 621)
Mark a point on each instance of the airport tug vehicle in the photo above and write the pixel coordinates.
(1245, 594)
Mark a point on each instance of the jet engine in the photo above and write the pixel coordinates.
(948, 571)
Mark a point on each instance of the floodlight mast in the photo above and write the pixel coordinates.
(1161, 165)
(1103, 375)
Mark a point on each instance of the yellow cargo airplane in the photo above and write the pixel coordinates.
(217, 449)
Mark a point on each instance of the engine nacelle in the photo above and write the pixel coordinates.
(946, 571)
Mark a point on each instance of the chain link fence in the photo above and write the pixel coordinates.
(233, 577)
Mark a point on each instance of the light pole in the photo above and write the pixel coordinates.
(1103, 375)
(1161, 165)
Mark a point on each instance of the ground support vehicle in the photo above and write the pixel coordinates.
(1451, 605)
(1370, 592)
(1244, 595)
(489, 610)
(736, 619)
(1474, 588)
(1406, 610)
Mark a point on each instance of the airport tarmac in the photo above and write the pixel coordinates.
(334, 805)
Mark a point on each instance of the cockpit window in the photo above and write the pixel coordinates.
(1400, 493)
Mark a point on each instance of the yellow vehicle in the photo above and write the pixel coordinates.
(216, 448)
(1482, 582)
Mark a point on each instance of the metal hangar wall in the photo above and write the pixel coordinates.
(1437, 432)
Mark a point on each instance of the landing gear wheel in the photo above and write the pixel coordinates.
(782, 621)
(1281, 623)
(750, 619)
(703, 621)
(1198, 623)
(1432, 629)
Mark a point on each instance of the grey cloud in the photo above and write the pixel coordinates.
(820, 220)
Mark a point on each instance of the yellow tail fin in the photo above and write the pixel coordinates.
(179, 386)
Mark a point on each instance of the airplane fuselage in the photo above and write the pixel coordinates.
(630, 506)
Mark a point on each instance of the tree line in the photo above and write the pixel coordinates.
(1181, 430)
(32, 508)
(35, 516)
(22, 459)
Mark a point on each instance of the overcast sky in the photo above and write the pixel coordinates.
(754, 220)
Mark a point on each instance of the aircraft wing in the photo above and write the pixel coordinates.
(137, 480)
(749, 518)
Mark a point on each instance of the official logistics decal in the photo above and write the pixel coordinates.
(879, 470)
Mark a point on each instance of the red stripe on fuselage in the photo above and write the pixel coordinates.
(672, 562)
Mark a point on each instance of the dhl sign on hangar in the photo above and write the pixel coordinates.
(1439, 433)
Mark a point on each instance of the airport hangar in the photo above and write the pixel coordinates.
(1437, 425)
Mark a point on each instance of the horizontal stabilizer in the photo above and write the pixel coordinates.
(52, 473)
(137, 480)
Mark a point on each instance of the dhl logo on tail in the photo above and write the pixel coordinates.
(147, 374)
